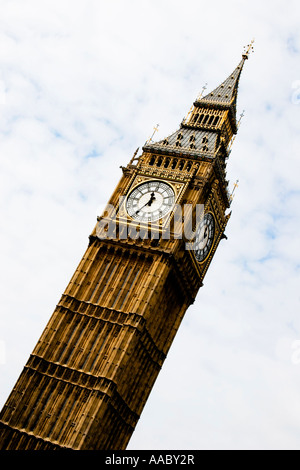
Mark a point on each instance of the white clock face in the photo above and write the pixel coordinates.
(150, 201)
(204, 237)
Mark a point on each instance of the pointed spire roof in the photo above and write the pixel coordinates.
(225, 95)
(190, 138)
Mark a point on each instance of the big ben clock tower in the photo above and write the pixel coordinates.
(86, 382)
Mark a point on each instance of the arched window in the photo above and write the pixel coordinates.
(216, 120)
(195, 118)
(167, 162)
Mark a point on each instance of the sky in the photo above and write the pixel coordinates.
(82, 85)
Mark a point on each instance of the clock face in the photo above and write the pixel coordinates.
(150, 201)
(204, 237)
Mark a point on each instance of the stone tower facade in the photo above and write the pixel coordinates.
(91, 372)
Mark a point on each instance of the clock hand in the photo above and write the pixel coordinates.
(152, 198)
(204, 235)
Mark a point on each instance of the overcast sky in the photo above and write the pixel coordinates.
(82, 84)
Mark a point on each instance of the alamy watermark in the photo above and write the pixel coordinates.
(115, 224)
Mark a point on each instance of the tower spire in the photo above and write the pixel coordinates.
(225, 95)
(211, 120)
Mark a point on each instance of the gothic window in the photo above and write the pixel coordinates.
(178, 142)
(205, 148)
(201, 118)
(152, 160)
(167, 162)
(188, 166)
(159, 161)
(174, 163)
(204, 140)
(205, 118)
(181, 164)
(216, 120)
(195, 118)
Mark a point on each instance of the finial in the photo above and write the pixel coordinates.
(134, 156)
(234, 188)
(185, 120)
(247, 49)
(237, 125)
(240, 119)
(155, 129)
(202, 91)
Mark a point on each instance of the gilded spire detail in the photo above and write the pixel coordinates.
(248, 49)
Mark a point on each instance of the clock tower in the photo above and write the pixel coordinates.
(87, 380)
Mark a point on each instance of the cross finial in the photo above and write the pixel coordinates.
(247, 49)
(155, 129)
